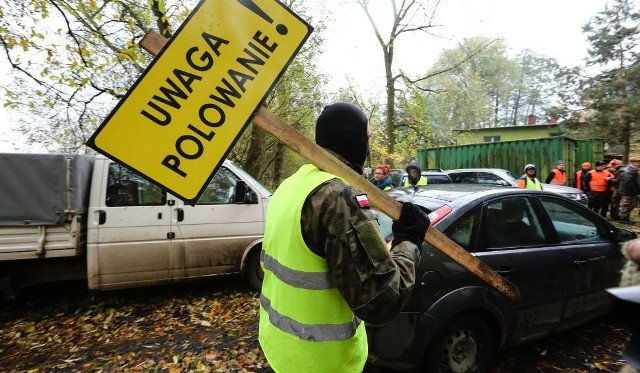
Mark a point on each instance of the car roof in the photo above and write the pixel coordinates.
(429, 171)
(443, 193)
(551, 187)
(486, 169)
(434, 196)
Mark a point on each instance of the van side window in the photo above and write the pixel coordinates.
(127, 188)
(221, 189)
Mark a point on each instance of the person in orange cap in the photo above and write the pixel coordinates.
(586, 167)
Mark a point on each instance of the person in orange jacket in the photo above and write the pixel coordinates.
(596, 184)
(557, 176)
(586, 167)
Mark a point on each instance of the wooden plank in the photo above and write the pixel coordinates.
(153, 43)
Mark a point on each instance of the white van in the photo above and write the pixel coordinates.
(120, 230)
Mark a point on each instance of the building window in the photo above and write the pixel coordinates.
(491, 138)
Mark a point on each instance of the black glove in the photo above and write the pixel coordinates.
(411, 226)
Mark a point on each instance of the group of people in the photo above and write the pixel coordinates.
(383, 180)
(610, 187)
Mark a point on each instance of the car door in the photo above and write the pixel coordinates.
(215, 233)
(520, 254)
(130, 241)
(595, 260)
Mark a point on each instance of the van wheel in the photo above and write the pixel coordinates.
(253, 271)
(464, 346)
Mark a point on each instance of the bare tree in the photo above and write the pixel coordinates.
(403, 15)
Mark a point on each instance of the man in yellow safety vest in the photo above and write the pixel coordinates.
(326, 265)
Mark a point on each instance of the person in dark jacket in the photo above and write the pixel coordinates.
(614, 167)
(629, 189)
(557, 176)
(414, 176)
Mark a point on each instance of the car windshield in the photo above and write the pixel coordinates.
(510, 175)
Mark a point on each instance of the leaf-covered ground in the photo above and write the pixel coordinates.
(212, 327)
(203, 327)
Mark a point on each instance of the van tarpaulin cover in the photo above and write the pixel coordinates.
(35, 189)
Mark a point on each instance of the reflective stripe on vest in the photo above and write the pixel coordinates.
(299, 279)
(316, 332)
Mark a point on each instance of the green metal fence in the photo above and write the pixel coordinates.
(514, 155)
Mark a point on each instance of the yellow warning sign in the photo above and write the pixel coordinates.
(180, 119)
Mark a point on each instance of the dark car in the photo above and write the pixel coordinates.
(561, 256)
(499, 176)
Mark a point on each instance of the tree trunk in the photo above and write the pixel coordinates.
(255, 150)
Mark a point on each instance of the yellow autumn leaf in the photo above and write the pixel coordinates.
(29, 327)
(600, 367)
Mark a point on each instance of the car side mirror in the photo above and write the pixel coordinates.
(244, 194)
(622, 235)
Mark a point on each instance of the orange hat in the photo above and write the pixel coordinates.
(586, 165)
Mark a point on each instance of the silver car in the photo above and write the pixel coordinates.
(499, 176)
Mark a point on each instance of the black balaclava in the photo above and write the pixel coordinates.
(342, 128)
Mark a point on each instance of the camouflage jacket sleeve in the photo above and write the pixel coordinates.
(375, 283)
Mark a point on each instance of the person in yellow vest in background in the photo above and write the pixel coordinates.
(326, 266)
(596, 184)
(529, 180)
(586, 167)
(557, 176)
(414, 176)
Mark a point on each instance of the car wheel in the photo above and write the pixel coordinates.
(253, 271)
(464, 346)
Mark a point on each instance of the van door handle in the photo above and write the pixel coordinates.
(180, 214)
(102, 216)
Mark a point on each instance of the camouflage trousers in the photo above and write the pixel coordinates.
(627, 203)
(614, 205)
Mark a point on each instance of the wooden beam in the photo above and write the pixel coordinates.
(153, 43)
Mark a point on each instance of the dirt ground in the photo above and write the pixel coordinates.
(212, 327)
